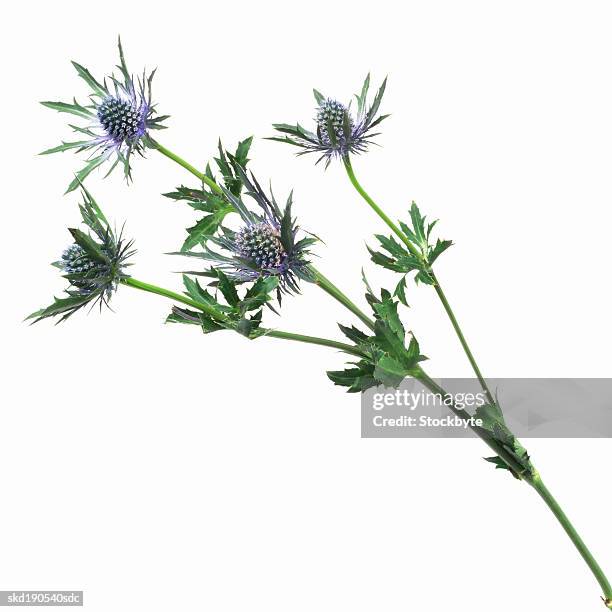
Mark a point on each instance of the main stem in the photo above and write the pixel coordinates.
(536, 482)
(534, 478)
(462, 340)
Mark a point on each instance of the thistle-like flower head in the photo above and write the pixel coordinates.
(119, 116)
(93, 264)
(339, 131)
(266, 244)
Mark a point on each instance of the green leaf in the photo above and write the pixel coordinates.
(361, 99)
(353, 334)
(205, 228)
(389, 371)
(438, 249)
(400, 291)
(228, 289)
(287, 225)
(91, 247)
(184, 315)
(499, 463)
(64, 147)
(61, 306)
(82, 174)
(319, 97)
(376, 102)
(418, 224)
(491, 416)
(197, 293)
(89, 79)
(386, 310)
(242, 151)
(73, 109)
(392, 246)
(357, 379)
(258, 294)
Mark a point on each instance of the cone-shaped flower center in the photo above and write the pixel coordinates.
(75, 260)
(331, 113)
(120, 119)
(261, 244)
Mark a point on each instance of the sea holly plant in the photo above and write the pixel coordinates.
(250, 251)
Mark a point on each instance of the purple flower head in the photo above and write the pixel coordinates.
(119, 116)
(339, 131)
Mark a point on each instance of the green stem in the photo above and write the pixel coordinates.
(377, 209)
(462, 340)
(341, 346)
(536, 482)
(533, 478)
(331, 289)
(493, 444)
(133, 282)
(181, 162)
(272, 333)
(398, 232)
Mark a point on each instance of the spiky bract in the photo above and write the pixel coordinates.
(93, 264)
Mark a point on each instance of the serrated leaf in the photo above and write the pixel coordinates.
(499, 463)
(438, 249)
(205, 228)
(61, 306)
(353, 334)
(228, 289)
(64, 147)
(82, 174)
(73, 109)
(389, 371)
(357, 379)
(90, 80)
(242, 151)
(400, 291)
(90, 246)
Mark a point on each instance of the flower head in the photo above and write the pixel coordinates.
(266, 244)
(93, 264)
(120, 115)
(339, 131)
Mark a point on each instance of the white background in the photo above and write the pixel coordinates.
(158, 469)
